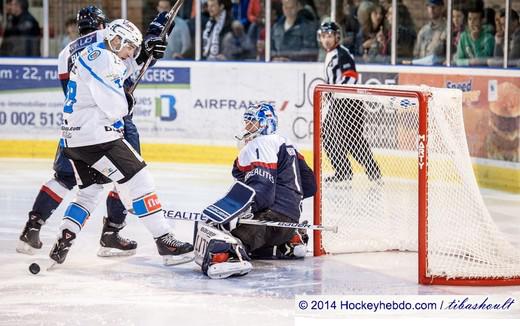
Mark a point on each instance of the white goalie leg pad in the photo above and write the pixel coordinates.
(145, 203)
(219, 254)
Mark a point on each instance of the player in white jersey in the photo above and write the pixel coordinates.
(91, 21)
(91, 137)
(281, 179)
(343, 126)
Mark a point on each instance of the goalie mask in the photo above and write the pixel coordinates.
(259, 119)
(126, 31)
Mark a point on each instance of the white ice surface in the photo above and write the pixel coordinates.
(139, 290)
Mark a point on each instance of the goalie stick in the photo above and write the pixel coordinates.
(171, 16)
(199, 217)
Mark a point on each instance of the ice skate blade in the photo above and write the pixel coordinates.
(171, 260)
(25, 248)
(113, 252)
(225, 270)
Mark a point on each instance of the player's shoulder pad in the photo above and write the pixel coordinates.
(261, 151)
(103, 63)
(83, 41)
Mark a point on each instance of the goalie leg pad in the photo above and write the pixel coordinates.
(219, 254)
(237, 200)
(213, 265)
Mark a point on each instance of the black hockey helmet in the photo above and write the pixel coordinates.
(329, 27)
(89, 19)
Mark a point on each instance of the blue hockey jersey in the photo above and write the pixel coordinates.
(272, 166)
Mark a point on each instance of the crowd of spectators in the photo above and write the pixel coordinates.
(235, 30)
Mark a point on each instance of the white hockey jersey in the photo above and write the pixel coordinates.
(70, 53)
(96, 102)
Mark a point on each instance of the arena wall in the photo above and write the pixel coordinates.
(189, 112)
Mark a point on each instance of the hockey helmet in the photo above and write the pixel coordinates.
(265, 115)
(328, 27)
(89, 19)
(126, 30)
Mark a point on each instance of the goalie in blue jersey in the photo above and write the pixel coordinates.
(276, 178)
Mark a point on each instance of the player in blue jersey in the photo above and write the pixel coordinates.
(91, 23)
(270, 165)
(273, 167)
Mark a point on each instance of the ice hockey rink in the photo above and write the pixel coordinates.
(139, 290)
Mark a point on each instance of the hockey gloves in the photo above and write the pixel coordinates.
(152, 46)
(157, 25)
(155, 47)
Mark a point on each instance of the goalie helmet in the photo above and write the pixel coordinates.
(264, 115)
(89, 19)
(126, 30)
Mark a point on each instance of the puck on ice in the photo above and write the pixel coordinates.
(34, 268)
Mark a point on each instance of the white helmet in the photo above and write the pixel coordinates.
(126, 30)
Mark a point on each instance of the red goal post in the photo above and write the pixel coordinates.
(421, 152)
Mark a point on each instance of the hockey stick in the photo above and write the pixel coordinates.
(199, 217)
(171, 16)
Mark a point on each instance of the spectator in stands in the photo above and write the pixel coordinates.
(239, 9)
(349, 24)
(236, 45)
(514, 39)
(293, 36)
(216, 28)
(489, 22)
(22, 32)
(71, 32)
(476, 45)
(256, 32)
(458, 23)
(405, 34)
(179, 41)
(430, 47)
(309, 11)
(372, 28)
(204, 18)
(254, 11)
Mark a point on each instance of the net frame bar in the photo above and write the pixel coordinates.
(423, 98)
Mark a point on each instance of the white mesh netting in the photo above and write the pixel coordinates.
(369, 183)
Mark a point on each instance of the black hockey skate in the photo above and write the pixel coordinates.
(112, 244)
(61, 247)
(173, 251)
(30, 237)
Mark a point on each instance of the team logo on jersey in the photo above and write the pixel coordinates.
(93, 55)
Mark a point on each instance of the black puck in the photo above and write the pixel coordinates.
(34, 268)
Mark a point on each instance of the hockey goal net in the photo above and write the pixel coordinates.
(394, 173)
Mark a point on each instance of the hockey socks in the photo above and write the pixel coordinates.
(49, 198)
